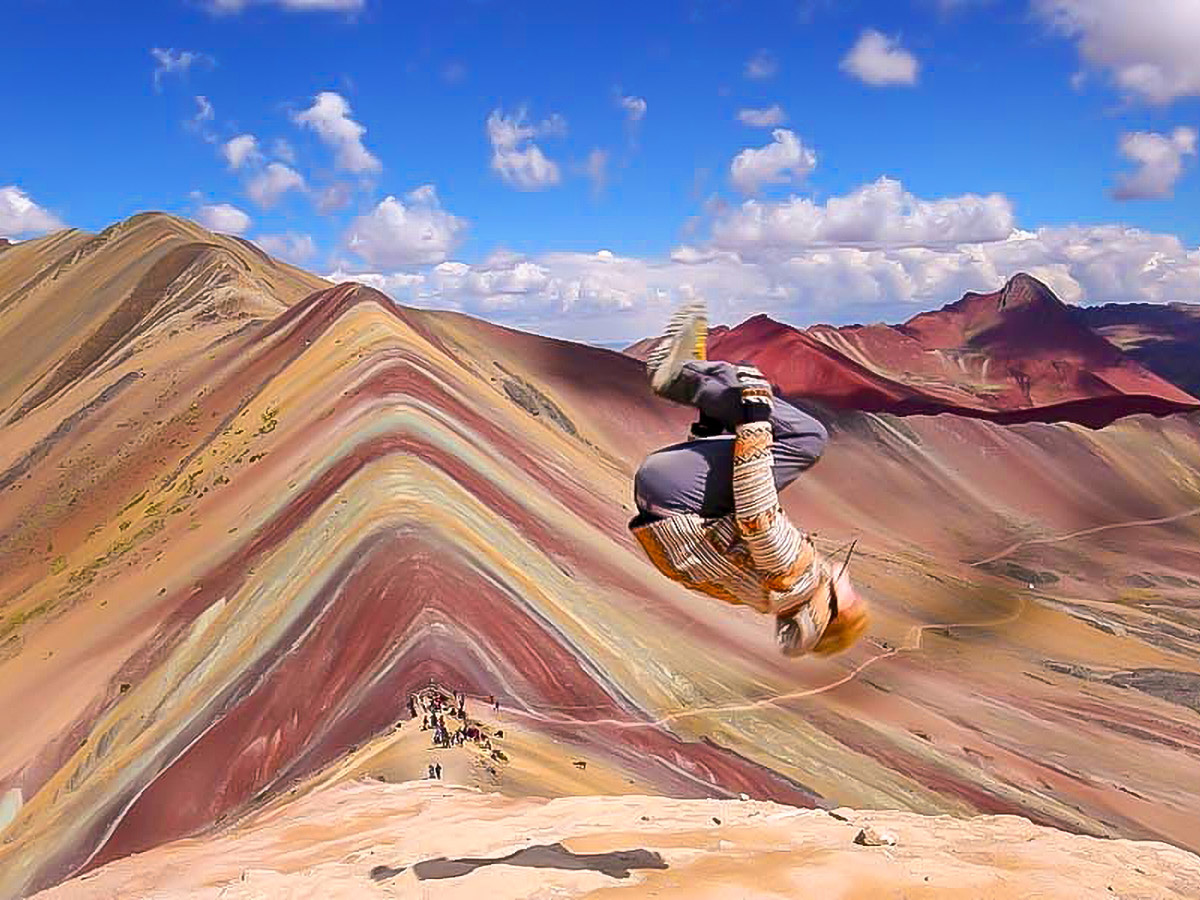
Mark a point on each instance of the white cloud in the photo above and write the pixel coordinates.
(199, 122)
(332, 197)
(398, 285)
(1148, 47)
(635, 108)
(515, 157)
(879, 60)
(595, 168)
(415, 231)
(226, 7)
(767, 117)
(223, 217)
(783, 161)
(329, 117)
(282, 149)
(20, 216)
(292, 247)
(204, 110)
(241, 151)
(273, 182)
(875, 215)
(170, 61)
(602, 296)
(761, 66)
(1160, 163)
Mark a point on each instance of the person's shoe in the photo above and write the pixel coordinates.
(685, 339)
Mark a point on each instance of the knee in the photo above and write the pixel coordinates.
(820, 438)
(641, 496)
(808, 442)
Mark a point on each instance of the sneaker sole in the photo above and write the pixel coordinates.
(686, 339)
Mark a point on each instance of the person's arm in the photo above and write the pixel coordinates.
(774, 543)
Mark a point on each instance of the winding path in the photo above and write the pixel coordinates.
(913, 643)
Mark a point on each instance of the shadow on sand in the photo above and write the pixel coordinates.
(616, 864)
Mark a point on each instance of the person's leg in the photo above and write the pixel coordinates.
(799, 442)
(712, 387)
(691, 477)
(697, 476)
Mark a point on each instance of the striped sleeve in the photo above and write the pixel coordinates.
(774, 543)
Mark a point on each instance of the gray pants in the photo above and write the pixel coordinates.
(696, 476)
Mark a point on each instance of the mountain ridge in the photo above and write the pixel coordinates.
(230, 547)
(1014, 355)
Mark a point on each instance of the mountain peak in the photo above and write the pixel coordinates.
(1025, 290)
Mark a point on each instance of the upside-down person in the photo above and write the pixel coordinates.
(708, 508)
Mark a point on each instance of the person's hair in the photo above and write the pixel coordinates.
(843, 630)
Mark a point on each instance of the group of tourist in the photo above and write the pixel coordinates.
(435, 706)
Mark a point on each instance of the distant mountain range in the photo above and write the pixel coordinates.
(1015, 355)
(1165, 338)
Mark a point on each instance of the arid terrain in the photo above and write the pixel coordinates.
(245, 513)
(357, 840)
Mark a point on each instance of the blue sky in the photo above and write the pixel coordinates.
(1005, 130)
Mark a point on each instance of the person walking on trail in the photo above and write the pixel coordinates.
(708, 508)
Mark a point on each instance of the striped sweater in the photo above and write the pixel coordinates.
(754, 556)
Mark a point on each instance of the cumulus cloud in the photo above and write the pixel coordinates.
(761, 66)
(767, 117)
(783, 161)
(1149, 48)
(329, 117)
(241, 151)
(409, 232)
(21, 217)
(877, 214)
(635, 108)
(1093, 265)
(229, 7)
(516, 158)
(879, 60)
(170, 61)
(1160, 160)
(292, 247)
(223, 217)
(401, 286)
(267, 186)
(606, 297)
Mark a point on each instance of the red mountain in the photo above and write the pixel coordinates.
(1018, 354)
(1165, 338)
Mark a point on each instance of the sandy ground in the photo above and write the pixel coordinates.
(422, 839)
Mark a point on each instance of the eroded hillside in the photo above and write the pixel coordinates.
(245, 513)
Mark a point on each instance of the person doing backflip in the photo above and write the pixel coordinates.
(708, 508)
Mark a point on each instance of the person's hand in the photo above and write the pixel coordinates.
(757, 401)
